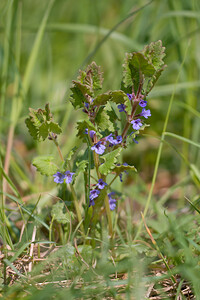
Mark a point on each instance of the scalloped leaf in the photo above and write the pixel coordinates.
(37, 116)
(110, 160)
(82, 125)
(45, 165)
(43, 131)
(136, 68)
(69, 157)
(47, 112)
(55, 128)
(122, 168)
(58, 214)
(40, 123)
(112, 116)
(118, 96)
(94, 76)
(101, 99)
(31, 128)
(81, 166)
(134, 134)
(80, 93)
(102, 120)
(155, 53)
(153, 80)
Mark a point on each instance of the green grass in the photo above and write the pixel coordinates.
(42, 47)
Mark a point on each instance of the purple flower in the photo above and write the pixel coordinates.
(59, 177)
(86, 105)
(101, 184)
(91, 202)
(111, 140)
(120, 177)
(121, 107)
(130, 96)
(136, 124)
(92, 133)
(68, 176)
(93, 194)
(98, 148)
(143, 103)
(145, 113)
(118, 139)
(86, 131)
(136, 142)
(112, 202)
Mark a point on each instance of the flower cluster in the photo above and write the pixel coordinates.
(100, 146)
(112, 201)
(137, 122)
(60, 177)
(95, 193)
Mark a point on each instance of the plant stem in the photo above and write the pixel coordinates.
(106, 200)
(78, 213)
(108, 212)
(126, 128)
(113, 180)
(96, 162)
(77, 209)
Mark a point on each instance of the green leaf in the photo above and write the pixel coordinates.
(115, 96)
(153, 80)
(81, 166)
(58, 214)
(48, 113)
(92, 77)
(129, 139)
(136, 68)
(45, 165)
(43, 131)
(40, 123)
(145, 66)
(80, 93)
(122, 168)
(55, 128)
(82, 125)
(36, 116)
(155, 53)
(69, 157)
(103, 120)
(112, 115)
(31, 128)
(110, 160)
(102, 99)
(118, 96)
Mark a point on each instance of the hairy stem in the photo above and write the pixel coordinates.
(126, 128)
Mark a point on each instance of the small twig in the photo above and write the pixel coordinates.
(81, 258)
(31, 248)
(21, 233)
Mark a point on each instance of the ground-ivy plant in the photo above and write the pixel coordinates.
(111, 121)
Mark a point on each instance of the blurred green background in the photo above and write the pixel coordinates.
(43, 44)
